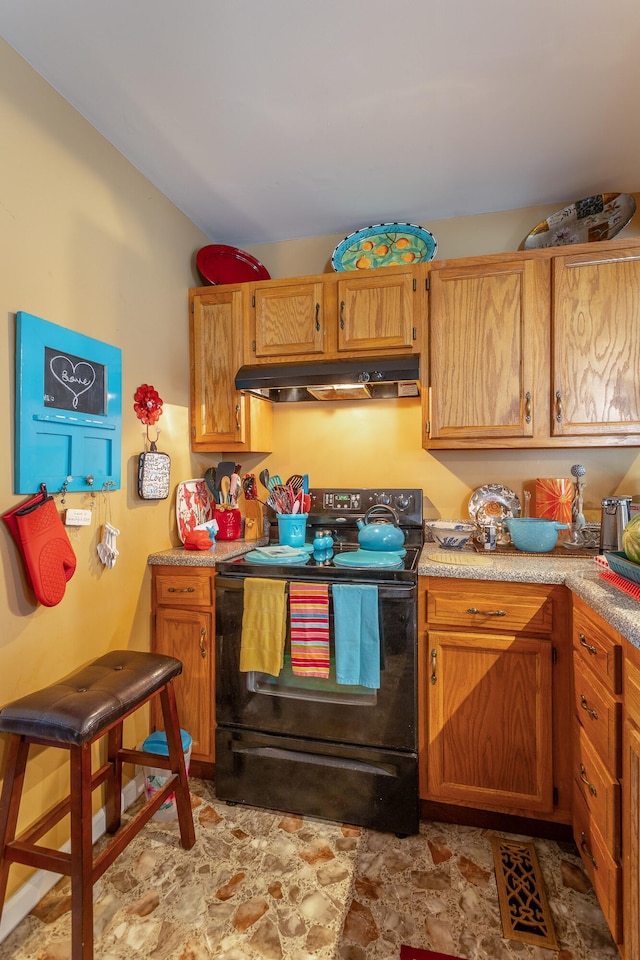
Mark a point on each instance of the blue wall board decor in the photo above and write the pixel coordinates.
(68, 409)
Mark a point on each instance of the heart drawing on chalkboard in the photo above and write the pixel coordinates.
(77, 378)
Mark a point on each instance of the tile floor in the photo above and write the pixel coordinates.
(262, 885)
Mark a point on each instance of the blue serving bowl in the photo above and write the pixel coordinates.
(533, 534)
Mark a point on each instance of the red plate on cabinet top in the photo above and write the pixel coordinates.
(218, 263)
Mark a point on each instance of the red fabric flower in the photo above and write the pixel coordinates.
(148, 404)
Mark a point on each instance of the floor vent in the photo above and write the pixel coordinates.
(524, 908)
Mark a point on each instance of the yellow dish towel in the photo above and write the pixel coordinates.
(264, 625)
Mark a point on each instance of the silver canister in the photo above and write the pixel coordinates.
(614, 518)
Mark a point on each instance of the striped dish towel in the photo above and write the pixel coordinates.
(309, 616)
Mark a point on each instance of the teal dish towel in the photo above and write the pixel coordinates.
(357, 634)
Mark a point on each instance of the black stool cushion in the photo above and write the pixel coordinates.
(76, 709)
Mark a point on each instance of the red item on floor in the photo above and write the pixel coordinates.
(415, 953)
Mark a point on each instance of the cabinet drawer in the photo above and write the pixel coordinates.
(596, 644)
(494, 606)
(632, 683)
(600, 791)
(184, 589)
(605, 874)
(600, 714)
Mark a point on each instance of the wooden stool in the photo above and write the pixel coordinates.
(72, 714)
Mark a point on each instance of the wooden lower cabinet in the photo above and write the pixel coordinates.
(494, 690)
(597, 696)
(631, 804)
(184, 627)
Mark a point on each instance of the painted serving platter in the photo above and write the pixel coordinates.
(219, 263)
(493, 503)
(383, 245)
(194, 505)
(595, 218)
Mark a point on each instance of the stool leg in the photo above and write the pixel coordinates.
(81, 854)
(176, 755)
(114, 780)
(10, 803)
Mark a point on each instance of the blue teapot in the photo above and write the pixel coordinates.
(382, 535)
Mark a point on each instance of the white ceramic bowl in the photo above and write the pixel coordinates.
(451, 534)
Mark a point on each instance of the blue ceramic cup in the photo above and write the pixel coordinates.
(292, 528)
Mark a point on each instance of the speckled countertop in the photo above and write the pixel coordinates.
(580, 576)
(224, 550)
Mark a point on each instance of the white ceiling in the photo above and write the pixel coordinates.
(266, 120)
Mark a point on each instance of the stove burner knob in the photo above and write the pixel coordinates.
(384, 498)
(402, 501)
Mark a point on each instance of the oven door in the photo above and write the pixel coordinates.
(316, 708)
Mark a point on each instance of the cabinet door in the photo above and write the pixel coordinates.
(290, 319)
(488, 352)
(217, 419)
(490, 721)
(377, 313)
(596, 344)
(188, 635)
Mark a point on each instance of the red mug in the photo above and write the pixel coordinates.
(229, 523)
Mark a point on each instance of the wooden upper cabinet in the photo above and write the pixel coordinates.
(222, 418)
(289, 319)
(488, 344)
(336, 316)
(596, 345)
(377, 312)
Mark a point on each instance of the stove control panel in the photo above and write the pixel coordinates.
(354, 502)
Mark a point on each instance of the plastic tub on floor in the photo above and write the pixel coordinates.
(155, 777)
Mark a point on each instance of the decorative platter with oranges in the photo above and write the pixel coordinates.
(383, 245)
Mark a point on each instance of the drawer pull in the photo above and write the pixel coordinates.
(434, 654)
(586, 851)
(487, 613)
(587, 646)
(203, 649)
(585, 706)
(181, 590)
(583, 777)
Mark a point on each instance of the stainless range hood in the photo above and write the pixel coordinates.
(361, 379)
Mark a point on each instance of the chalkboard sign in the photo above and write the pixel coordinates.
(73, 383)
(68, 410)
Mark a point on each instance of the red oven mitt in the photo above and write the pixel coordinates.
(47, 553)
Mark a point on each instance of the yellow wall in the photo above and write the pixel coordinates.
(86, 242)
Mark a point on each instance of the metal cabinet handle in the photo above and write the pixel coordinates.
(586, 851)
(487, 613)
(342, 308)
(585, 706)
(317, 316)
(434, 654)
(237, 416)
(181, 590)
(558, 406)
(203, 649)
(587, 646)
(527, 407)
(583, 777)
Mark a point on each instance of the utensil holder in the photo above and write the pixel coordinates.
(229, 523)
(292, 528)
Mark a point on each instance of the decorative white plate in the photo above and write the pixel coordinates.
(595, 218)
(384, 244)
(194, 505)
(493, 503)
